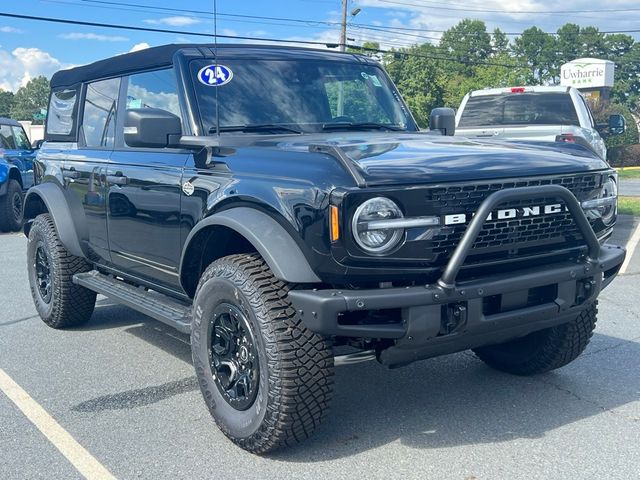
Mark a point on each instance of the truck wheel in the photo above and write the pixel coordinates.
(265, 378)
(59, 302)
(11, 208)
(545, 350)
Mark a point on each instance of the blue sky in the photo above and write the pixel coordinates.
(29, 48)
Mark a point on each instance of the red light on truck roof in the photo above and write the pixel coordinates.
(517, 89)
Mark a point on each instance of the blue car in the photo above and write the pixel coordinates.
(16, 173)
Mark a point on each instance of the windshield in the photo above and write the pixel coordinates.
(519, 109)
(289, 96)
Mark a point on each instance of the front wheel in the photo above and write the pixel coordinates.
(265, 378)
(545, 350)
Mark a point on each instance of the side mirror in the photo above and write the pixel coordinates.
(444, 120)
(617, 124)
(36, 145)
(151, 128)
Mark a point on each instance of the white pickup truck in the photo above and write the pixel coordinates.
(544, 114)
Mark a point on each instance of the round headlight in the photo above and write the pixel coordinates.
(609, 190)
(368, 225)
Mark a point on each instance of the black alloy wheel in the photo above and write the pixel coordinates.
(233, 356)
(42, 268)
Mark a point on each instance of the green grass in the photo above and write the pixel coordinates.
(629, 172)
(629, 205)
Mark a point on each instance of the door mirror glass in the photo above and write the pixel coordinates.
(151, 128)
(617, 124)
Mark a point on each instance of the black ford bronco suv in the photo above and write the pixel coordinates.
(282, 206)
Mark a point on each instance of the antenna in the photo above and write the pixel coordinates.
(215, 54)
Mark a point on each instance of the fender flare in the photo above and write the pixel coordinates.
(5, 176)
(270, 239)
(54, 199)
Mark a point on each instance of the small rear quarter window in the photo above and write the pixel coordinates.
(62, 112)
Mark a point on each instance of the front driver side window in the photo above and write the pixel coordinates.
(100, 108)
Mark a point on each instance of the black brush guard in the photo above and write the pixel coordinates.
(451, 316)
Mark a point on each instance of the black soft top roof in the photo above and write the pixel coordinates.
(9, 121)
(162, 56)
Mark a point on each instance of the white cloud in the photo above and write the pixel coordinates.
(6, 29)
(139, 46)
(93, 36)
(23, 64)
(177, 21)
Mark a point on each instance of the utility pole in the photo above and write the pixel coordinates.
(343, 31)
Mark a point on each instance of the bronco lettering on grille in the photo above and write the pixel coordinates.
(508, 213)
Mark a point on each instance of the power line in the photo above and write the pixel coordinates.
(159, 30)
(321, 23)
(437, 6)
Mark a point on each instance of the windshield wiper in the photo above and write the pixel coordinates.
(256, 127)
(361, 126)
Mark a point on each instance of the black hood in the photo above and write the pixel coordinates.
(392, 159)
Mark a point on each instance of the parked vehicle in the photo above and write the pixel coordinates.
(279, 203)
(538, 114)
(16, 173)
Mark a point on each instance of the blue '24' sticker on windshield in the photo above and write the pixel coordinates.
(215, 75)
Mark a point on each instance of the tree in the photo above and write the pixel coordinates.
(568, 44)
(592, 42)
(537, 49)
(420, 76)
(30, 99)
(500, 42)
(468, 42)
(6, 102)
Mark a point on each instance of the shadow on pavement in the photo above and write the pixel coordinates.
(443, 402)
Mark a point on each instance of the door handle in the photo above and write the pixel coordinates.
(117, 179)
(71, 173)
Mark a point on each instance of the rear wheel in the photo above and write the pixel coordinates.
(59, 302)
(12, 208)
(545, 350)
(266, 379)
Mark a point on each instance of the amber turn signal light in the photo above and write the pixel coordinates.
(334, 227)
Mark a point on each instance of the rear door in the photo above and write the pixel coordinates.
(25, 154)
(144, 190)
(17, 151)
(84, 168)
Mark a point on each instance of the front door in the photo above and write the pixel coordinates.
(145, 191)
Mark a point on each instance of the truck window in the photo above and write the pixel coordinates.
(21, 139)
(156, 89)
(6, 138)
(60, 117)
(99, 119)
(519, 109)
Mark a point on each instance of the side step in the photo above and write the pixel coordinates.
(153, 304)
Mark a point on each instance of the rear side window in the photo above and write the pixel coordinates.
(22, 141)
(99, 114)
(519, 109)
(6, 137)
(61, 113)
(157, 89)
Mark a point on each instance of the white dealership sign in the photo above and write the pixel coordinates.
(587, 73)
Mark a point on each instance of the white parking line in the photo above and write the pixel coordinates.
(631, 246)
(80, 458)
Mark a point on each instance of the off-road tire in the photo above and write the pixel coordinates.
(69, 304)
(296, 365)
(545, 350)
(10, 219)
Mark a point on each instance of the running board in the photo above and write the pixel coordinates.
(153, 304)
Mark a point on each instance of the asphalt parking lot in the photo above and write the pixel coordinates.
(123, 388)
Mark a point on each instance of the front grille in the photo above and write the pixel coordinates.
(501, 239)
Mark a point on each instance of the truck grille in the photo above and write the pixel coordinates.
(507, 238)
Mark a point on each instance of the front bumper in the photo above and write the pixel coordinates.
(450, 316)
